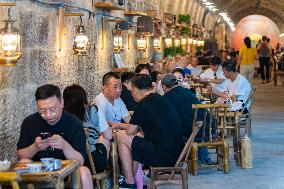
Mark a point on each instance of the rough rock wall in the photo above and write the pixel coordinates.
(42, 62)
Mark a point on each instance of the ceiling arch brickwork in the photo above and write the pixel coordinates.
(238, 9)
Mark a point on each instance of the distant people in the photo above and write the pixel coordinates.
(110, 103)
(194, 68)
(224, 56)
(126, 95)
(180, 76)
(183, 63)
(161, 125)
(214, 75)
(264, 52)
(76, 103)
(143, 69)
(64, 132)
(246, 60)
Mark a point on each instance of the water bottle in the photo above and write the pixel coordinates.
(246, 153)
(139, 177)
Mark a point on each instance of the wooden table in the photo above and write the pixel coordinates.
(55, 178)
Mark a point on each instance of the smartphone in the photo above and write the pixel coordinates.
(45, 135)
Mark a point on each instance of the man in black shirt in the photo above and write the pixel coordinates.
(161, 126)
(64, 134)
(182, 99)
(126, 95)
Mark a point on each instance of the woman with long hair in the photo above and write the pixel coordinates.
(246, 60)
(76, 103)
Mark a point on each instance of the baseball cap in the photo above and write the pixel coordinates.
(169, 80)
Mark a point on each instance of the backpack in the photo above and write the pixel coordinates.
(263, 50)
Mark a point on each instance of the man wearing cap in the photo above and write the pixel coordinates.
(182, 99)
(161, 125)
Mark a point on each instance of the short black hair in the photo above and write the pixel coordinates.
(264, 38)
(229, 66)
(154, 75)
(215, 60)
(142, 81)
(108, 76)
(141, 67)
(179, 70)
(46, 91)
(127, 76)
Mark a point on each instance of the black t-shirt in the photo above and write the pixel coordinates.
(68, 127)
(182, 99)
(128, 99)
(161, 125)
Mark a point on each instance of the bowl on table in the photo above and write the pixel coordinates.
(4, 165)
(34, 167)
(46, 161)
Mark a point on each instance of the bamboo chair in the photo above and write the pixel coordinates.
(9, 177)
(177, 174)
(218, 142)
(237, 121)
(99, 178)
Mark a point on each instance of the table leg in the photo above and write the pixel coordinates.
(238, 140)
(114, 164)
(76, 180)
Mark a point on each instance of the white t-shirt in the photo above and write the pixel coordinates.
(239, 87)
(114, 113)
(209, 74)
(195, 71)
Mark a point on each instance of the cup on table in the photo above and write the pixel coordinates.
(46, 161)
(34, 167)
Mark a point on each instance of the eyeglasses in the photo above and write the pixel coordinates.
(43, 112)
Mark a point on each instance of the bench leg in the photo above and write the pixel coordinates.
(226, 158)
(194, 159)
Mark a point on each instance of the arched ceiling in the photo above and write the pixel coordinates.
(238, 9)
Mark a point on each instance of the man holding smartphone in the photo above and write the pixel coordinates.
(52, 132)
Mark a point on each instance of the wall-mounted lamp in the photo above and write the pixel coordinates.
(168, 42)
(10, 41)
(156, 43)
(183, 41)
(177, 42)
(190, 41)
(81, 40)
(142, 43)
(117, 41)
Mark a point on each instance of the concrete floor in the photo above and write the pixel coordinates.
(268, 148)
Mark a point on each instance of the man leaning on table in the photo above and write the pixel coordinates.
(67, 140)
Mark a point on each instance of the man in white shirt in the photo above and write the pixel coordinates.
(110, 103)
(214, 75)
(237, 86)
(194, 68)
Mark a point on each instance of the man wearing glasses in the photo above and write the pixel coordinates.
(52, 132)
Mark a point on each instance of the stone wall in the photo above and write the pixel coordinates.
(42, 62)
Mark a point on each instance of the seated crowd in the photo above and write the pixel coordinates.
(153, 136)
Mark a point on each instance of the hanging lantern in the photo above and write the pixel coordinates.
(190, 41)
(81, 41)
(10, 45)
(194, 42)
(142, 43)
(117, 41)
(183, 41)
(177, 42)
(156, 43)
(168, 42)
